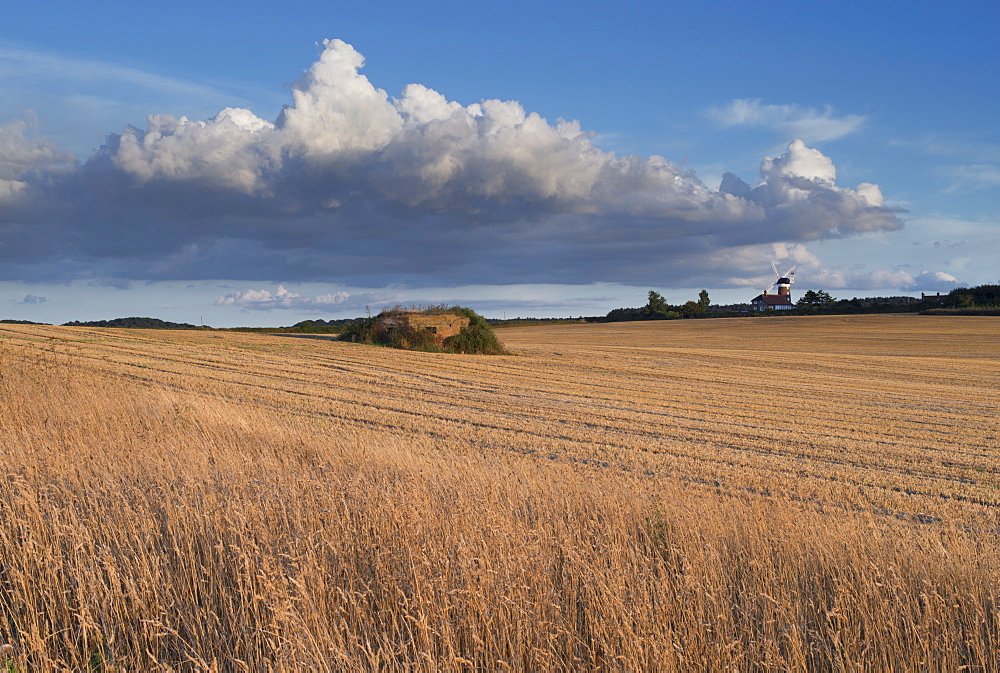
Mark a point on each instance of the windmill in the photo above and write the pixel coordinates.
(783, 281)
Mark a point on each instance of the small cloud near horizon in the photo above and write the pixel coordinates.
(263, 300)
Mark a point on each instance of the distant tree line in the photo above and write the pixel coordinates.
(981, 296)
(657, 308)
(821, 302)
(319, 326)
(980, 300)
(524, 322)
(983, 300)
(303, 327)
(136, 323)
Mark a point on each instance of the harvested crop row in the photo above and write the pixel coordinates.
(745, 493)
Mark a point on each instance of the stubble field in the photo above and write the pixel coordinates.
(767, 493)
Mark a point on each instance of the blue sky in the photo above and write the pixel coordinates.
(523, 159)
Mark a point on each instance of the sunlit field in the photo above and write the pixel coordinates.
(756, 494)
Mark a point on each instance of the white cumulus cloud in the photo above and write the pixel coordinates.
(349, 182)
(798, 191)
(224, 152)
(885, 280)
(939, 281)
(336, 109)
(21, 156)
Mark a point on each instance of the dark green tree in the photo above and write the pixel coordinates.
(691, 309)
(703, 300)
(981, 296)
(811, 298)
(657, 305)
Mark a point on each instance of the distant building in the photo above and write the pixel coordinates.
(931, 297)
(777, 302)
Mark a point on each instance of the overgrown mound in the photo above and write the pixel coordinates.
(435, 330)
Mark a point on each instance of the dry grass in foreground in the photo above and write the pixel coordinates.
(788, 494)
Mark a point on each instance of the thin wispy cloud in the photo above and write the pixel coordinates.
(971, 177)
(809, 124)
(75, 99)
(962, 147)
(22, 62)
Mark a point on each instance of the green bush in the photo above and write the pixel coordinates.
(361, 331)
(410, 339)
(477, 338)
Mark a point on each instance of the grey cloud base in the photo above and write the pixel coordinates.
(349, 184)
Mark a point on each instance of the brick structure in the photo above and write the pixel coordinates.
(441, 325)
(777, 302)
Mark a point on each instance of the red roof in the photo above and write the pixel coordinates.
(772, 300)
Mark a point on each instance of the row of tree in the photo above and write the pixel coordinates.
(657, 308)
(980, 298)
(134, 323)
(983, 298)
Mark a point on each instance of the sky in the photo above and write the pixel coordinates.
(260, 164)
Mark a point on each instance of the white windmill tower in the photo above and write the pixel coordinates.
(783, 281)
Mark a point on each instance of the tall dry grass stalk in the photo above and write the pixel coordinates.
(174, 501)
